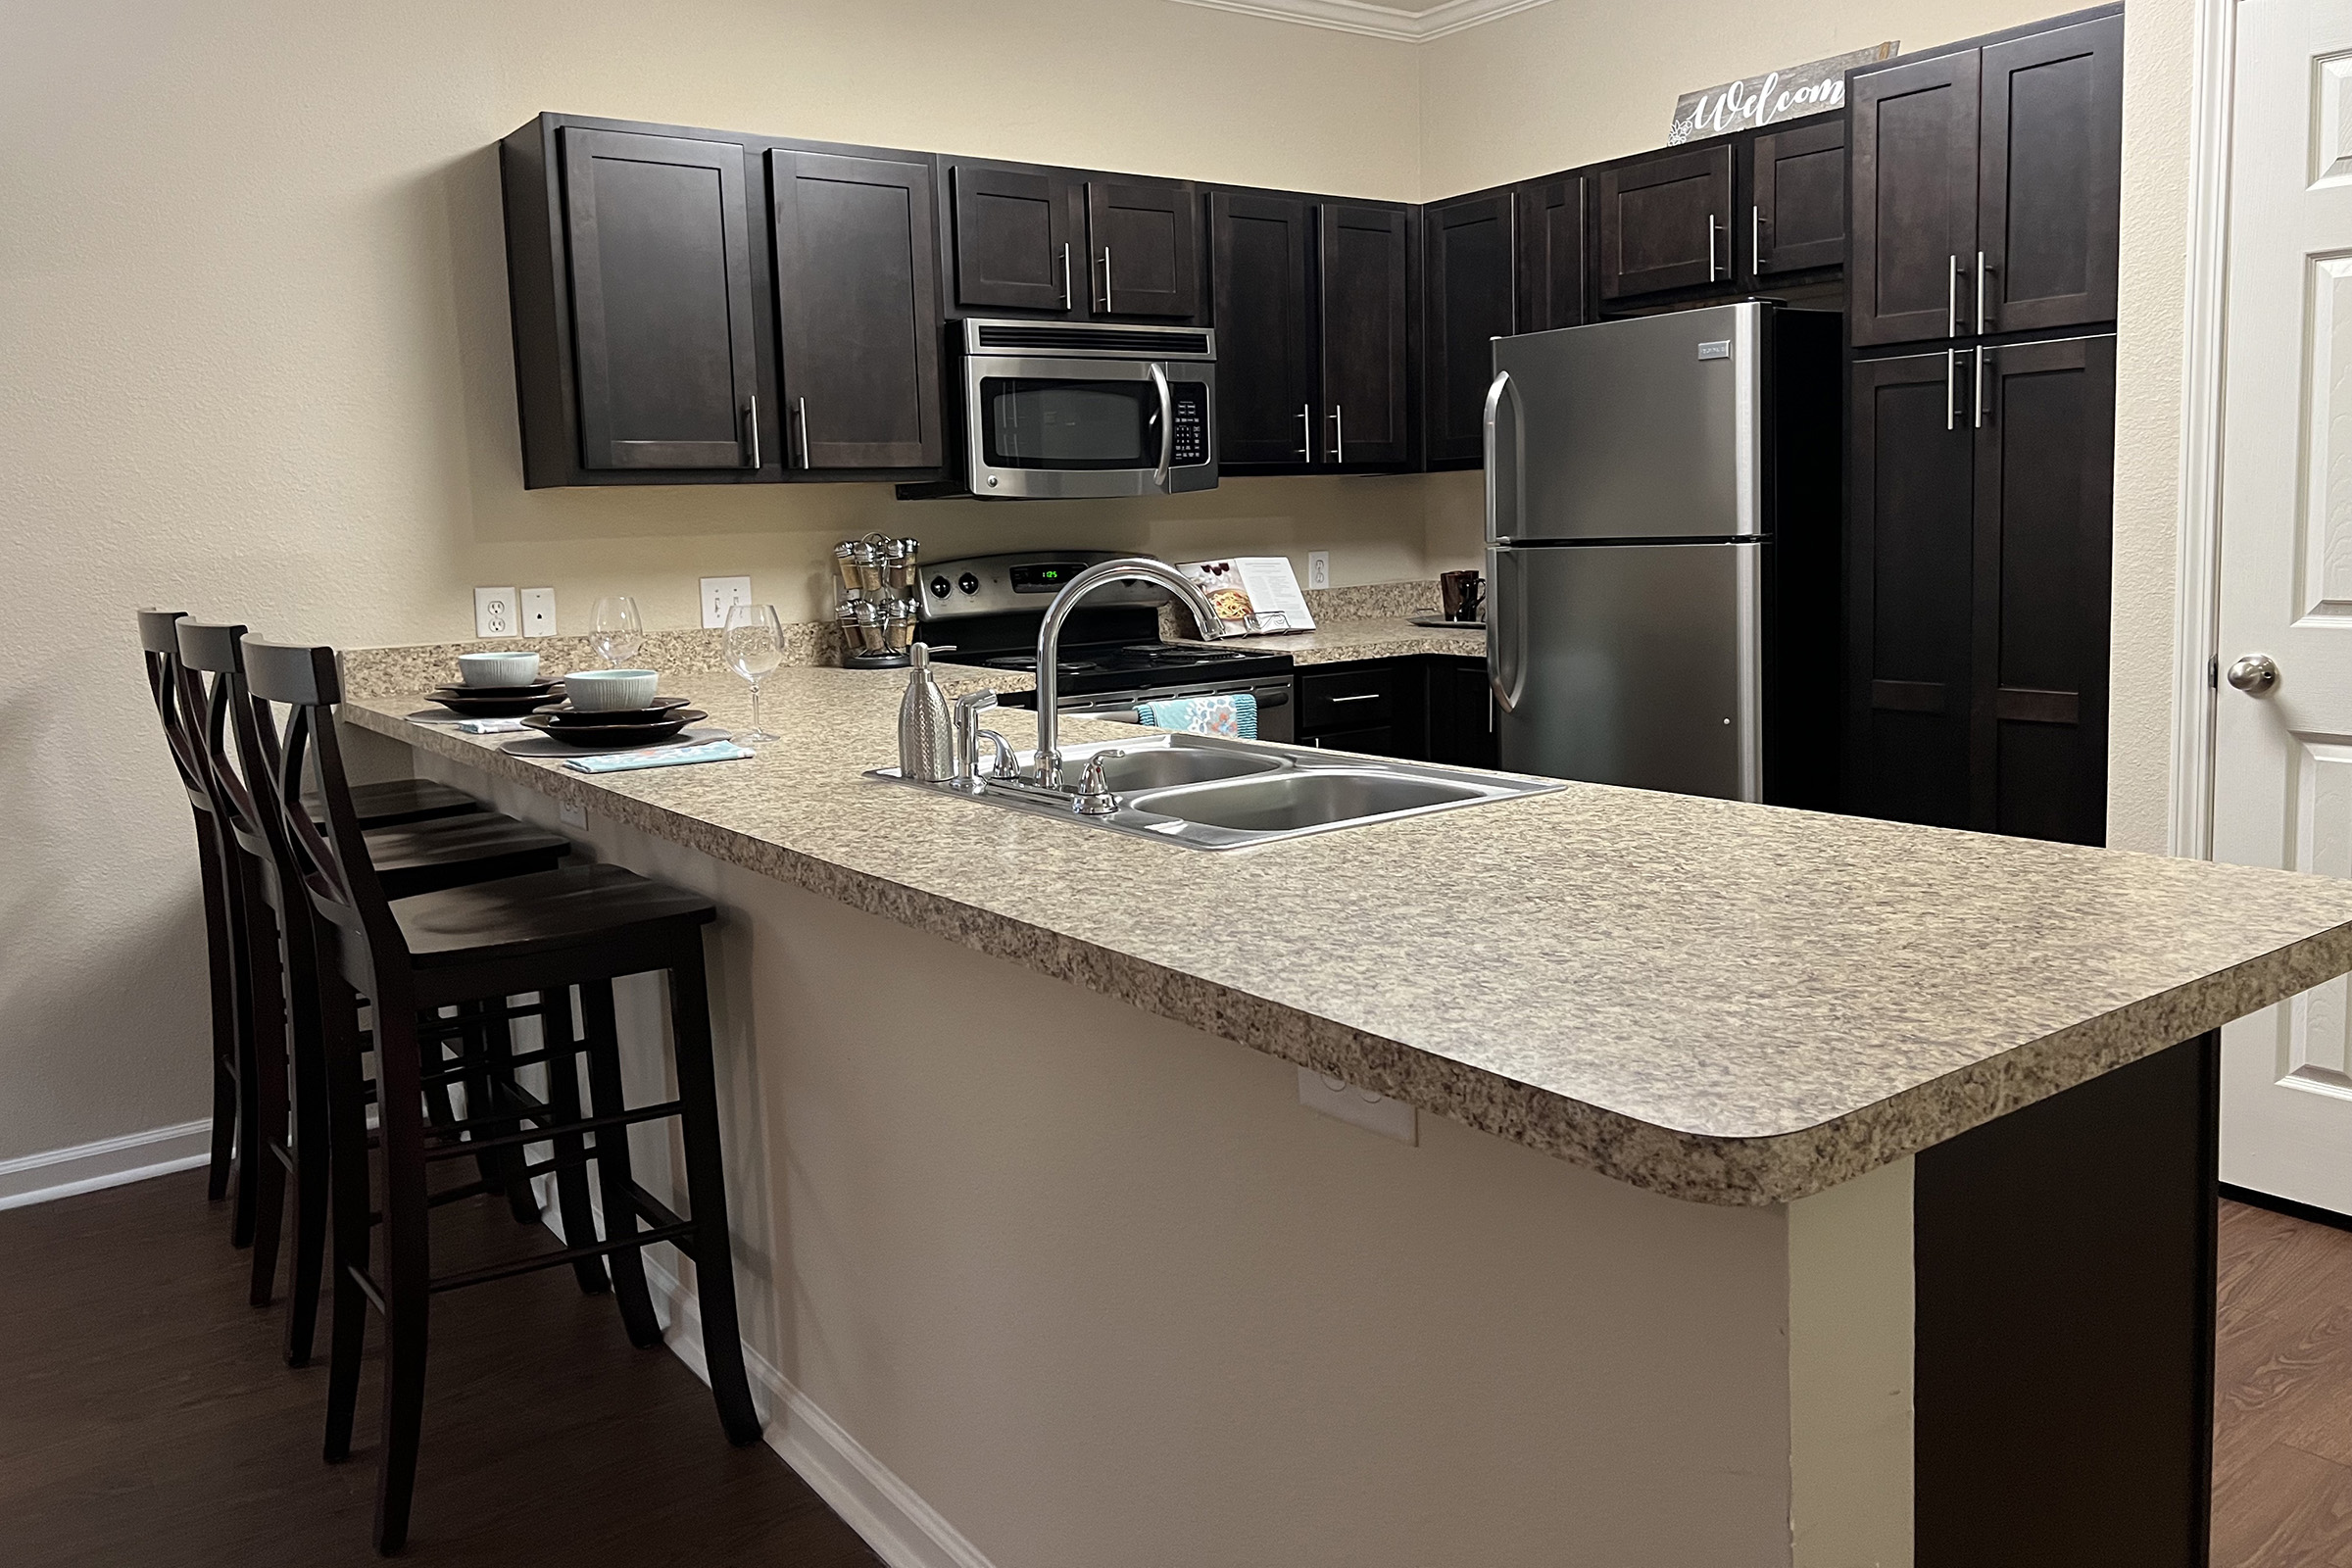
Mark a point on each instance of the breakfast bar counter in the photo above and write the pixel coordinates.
(1766, 1187)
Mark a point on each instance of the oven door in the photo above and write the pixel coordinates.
(1043, 428)
(1277, 715)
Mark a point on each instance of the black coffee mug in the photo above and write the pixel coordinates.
(1459, 595)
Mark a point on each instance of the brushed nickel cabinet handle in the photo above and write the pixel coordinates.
(754, 423)
(807, 458)
(1306, 432)
(1952, 358)
(1065, 278)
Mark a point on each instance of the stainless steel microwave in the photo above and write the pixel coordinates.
(1072, 409)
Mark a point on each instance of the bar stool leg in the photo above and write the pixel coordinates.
(248, 1150)
(222, 967)
(612, 1173)
(707, 1190)
(312, 1163)
(266, 975)
(498, 1050)
(407, 1273)
(563, 1103)
(347, 1156)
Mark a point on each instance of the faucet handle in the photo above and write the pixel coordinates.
(1093, 799)
(972, 703)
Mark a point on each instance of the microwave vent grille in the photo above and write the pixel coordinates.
(1142, 341)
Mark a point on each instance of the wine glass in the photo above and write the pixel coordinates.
(755, 647)
(617, 631)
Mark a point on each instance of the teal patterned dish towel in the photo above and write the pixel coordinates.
(1234, 716)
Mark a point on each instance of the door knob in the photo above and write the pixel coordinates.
(2254, 674)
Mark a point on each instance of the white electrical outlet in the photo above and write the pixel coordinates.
(1368, 1108)
(494, 613)
(538, 612)
(720, 595)
(1318, 568)
(573, 815)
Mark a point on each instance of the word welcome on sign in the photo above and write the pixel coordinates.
(1753, 101)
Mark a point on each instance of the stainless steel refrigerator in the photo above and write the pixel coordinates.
(1662, 558)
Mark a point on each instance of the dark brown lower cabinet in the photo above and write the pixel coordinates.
(1979, 528)
(1426, 709)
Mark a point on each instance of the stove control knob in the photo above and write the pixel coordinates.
(968, 583)
(939, 587)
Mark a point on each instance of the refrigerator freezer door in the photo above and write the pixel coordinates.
(1635, 665)
(1647, 428)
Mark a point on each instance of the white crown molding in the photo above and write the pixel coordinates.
(1375, 21)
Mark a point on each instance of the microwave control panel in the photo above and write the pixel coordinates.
(1190, 400)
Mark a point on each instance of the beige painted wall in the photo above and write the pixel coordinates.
(1576, 80)
(254, 361)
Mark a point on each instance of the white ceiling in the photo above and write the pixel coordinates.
(1410, 20)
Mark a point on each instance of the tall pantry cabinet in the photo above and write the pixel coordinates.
(1980, 430)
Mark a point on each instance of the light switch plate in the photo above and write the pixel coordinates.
(1373, 1112)
(720, 594)
(494, 613)
(538, 612)
(1318, 568)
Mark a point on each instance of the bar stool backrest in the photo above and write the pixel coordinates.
(211, 674)
(159, 639)
(332, 865)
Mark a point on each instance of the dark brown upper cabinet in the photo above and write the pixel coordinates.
(1014, 239)
(1468, 266)
(1665, 222)
(1364, 286)
(1262, 290)
(1142, 248)
(1979, 541)
(858, 311)
(1796, 199)
(1553, 254)
(654, 239)
(1985, 187)
(2049, 184)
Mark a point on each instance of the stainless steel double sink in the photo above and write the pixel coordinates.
(1210, 793)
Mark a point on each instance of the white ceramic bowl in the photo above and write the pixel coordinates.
(498, 669)
(606, 691)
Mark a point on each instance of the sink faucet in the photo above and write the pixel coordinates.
(1049, 641)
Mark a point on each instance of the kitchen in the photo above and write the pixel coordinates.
(387, 343)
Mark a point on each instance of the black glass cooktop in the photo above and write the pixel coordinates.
(1117, 666)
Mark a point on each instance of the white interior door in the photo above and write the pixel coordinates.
(2282, 779)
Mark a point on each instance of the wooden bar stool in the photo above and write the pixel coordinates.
(576, 926)
(270, 942)
(380, 805)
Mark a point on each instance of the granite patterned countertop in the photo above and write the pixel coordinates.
(1724, 1002)
(1334, 642)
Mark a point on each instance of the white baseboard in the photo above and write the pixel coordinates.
(904, 1529)
(108, 1162)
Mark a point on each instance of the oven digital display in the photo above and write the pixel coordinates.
(1042, 577)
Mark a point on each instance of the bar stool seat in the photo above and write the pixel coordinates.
(525, 916)
(396, 800)
(420, 857)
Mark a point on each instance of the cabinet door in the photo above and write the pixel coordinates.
(1366, 329)
(1665, 222)
(1013, 238)
(1467, 262)
(857, 302)
(1797, 211)
(1914, 204)
(2044, 505)
(1908, 567)
(2051, 182)
(1142, 248)
(1260, 285)
(660, 256)
(1551, 254)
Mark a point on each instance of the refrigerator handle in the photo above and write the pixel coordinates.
(1502, 480)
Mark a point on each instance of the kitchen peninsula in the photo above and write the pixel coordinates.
(1789, 1189)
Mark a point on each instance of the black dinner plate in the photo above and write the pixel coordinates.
(570, 717)
(639, 734)
(496, 701)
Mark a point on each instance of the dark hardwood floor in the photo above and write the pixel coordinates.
(147, 1418)
(2283, 1410)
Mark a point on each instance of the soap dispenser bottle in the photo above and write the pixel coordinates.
(926, 728)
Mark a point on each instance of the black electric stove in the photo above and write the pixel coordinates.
(988, 610)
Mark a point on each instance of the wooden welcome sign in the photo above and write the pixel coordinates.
(1753, 101)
